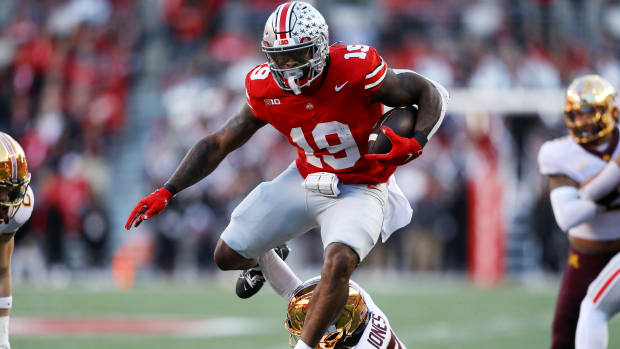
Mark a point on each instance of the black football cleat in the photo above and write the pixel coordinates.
(250, 281)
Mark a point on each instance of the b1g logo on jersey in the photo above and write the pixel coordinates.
(272, 101)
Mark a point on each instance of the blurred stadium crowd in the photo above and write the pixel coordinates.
(106, 96)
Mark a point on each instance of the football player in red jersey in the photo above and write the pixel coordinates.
(325, 100)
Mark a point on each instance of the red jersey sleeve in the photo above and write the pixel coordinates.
(361, 65)
(253, 88)
(375, 70)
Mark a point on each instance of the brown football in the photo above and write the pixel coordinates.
(400, 120)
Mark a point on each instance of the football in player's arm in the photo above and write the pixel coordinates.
(325, 100)
(584, 175)
(16, 204)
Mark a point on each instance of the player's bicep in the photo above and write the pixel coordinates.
(399, 90)
(238, 129)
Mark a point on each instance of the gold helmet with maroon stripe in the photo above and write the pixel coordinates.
(295, 41)
(14, 175)
(595, 96)
(352, 317)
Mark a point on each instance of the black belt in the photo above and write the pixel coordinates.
(354, 338)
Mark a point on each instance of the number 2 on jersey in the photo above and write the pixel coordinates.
(320, 133)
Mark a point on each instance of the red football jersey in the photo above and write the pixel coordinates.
(329, 127)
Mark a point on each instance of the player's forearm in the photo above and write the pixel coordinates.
(603, 184)
(570, 209)
(200, 161)
(429, 110)
(430, 97)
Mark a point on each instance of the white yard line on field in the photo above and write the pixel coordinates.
(474, 330)
(152, 326)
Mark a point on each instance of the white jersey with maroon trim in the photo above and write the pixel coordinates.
(378, 333)
(22, 215)
(563, 156)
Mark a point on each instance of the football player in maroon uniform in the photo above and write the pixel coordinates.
(584, 175)
(325, 100)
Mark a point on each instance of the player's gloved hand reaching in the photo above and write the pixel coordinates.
(151, 205)
(403, 149)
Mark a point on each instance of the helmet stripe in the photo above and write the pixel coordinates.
(284, 18)
(12, 154)
(290, 19)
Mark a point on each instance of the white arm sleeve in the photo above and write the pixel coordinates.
(604, 183)
(445, 97)
(569, 209)
(279, 275)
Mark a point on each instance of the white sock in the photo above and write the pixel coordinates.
(279, 275)
(302, 345)
(4, 330)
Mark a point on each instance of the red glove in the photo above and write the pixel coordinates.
(148, 207)
(403, 149)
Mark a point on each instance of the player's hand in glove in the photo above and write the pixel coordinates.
(148, 207)
(403, 149)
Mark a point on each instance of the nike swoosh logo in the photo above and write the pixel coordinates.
(338, 88)
(409, 156)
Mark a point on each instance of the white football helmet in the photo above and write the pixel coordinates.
(295, 41)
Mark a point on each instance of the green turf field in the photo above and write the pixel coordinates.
(425, 315)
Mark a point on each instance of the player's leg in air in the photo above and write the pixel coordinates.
(601, 303)
(250, 281)
(273, 213)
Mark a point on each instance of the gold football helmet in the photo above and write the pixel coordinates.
(593, 95)
(353, 315)
(14, 175)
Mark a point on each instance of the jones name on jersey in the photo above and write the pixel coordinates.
(328, 124)
(378, 333)
(563, 156)
(21, 217)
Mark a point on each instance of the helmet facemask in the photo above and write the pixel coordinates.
(12, 193)
(14, 175)
(295, 67)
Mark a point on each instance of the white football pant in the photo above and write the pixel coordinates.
(280, 210)
(600, 304)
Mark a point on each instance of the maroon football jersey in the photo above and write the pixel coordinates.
(330, 126)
